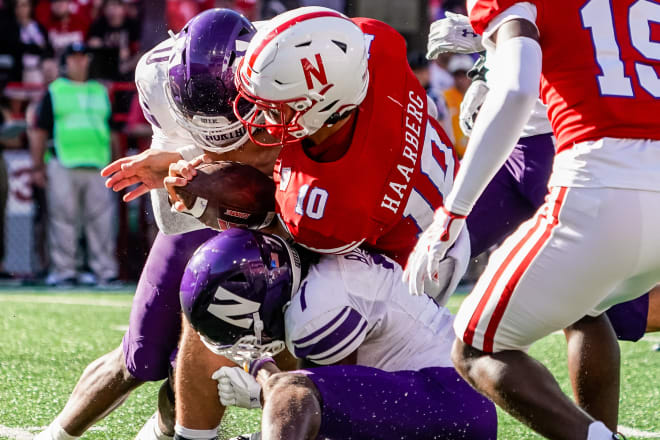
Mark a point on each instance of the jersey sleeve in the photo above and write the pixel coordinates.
(487, 15)
(150, 78)
(322, 326)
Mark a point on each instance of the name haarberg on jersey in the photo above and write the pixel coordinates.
(413, 130)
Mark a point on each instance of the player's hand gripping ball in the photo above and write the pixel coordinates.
(229, 194)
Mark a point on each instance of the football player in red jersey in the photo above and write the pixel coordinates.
(593, 243)
(363, 163)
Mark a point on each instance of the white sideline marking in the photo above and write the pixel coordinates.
(651, 337)
(632, 432)
(15, 433)
(64, 300)
(30, 432)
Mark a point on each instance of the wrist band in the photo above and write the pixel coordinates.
(253, 367)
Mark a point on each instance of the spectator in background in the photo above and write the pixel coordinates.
(178, 12)
(77, 111)
(420, 67)
(66, 23)
(271, 8)
(337, 5)
(49, 73)
(441, 79)
(10, 130)
(34, 42)
(458, 67)
(10, 69)
(114, 30)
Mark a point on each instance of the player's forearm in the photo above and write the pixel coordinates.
(514, 90)
(170, 222)
(266, 372)
(38, 147)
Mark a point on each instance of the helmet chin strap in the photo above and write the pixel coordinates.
(258, 326)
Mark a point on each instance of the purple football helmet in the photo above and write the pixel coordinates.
(234, 291)
(200, 87)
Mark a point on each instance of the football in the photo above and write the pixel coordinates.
(229, 194)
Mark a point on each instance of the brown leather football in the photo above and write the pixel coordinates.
(229, 194)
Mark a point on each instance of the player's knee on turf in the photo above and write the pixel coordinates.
(298, 396)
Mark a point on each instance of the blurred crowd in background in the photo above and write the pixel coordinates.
(43, 40)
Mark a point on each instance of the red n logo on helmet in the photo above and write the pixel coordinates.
(318, 72)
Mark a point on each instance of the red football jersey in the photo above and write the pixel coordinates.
(601, 65)
(384, 190)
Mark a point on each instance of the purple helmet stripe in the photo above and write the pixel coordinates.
(323, 329)
(332, 339)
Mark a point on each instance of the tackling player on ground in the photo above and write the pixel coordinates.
(382, 356)
(593, 237)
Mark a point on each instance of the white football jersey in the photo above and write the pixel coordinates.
(358, 301)
(151, 80)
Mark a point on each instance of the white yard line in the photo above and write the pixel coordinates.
(632, 432)
(63, 300)
(652, 337)
(15, 433)
(29, 432)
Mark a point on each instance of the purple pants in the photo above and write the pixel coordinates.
(155, 323)
(434, 403)
(513, 196)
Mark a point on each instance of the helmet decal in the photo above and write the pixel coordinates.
(233, 308)
(318, 72)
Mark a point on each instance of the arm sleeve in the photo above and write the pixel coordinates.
(168, 221)
(321, 324)
(514, 90)
(331, 337)
(45, 119)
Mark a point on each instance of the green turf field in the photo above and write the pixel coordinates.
(48, 337)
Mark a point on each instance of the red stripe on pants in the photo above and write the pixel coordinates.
(506, 294)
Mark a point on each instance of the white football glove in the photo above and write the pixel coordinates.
(450, 270)
(238, 388)
(452, 34)
(474, 97)
(424, 263)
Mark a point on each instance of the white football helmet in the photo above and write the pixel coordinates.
(304, 69)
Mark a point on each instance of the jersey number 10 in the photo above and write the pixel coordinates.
(315, 206)
(598, 18)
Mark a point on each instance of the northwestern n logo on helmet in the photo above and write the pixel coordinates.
(234, 309)
(318, 72)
